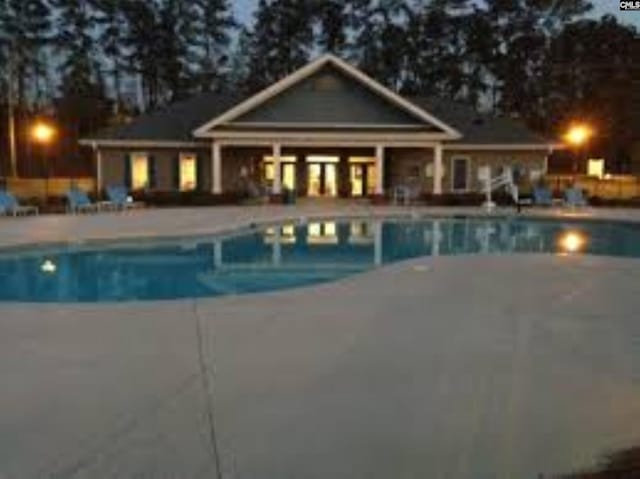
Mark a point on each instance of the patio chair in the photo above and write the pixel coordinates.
(542, 196)
(78, 202)
(9, 205)
(574, 197)
(119, 198)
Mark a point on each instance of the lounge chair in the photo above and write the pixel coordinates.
(119, 198)
(78, 202)
(542, 196)
(9, 205)
(574, 197)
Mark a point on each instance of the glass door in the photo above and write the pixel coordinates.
(363, 179)
(314, 182)
(322, 176)
(330, 179)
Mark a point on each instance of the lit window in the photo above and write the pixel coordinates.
(139, 171)
(322, 233)
(288, 172)
(188, 172)
(596, 168)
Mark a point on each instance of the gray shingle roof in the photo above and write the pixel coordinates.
(176, 122)
(478, 128)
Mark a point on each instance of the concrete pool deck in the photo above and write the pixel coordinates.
(482, 367)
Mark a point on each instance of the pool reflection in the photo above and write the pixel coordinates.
(283, 256)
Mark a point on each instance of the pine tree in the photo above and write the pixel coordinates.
(83, 106)
(281, 40)
(142, 47)
(110, 19)
(177, 38)
(215, 26)
(331, 18)
(520, 30)
(380, 38)
(24, 30)
(239, 62)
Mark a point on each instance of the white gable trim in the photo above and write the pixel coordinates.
(305, 72)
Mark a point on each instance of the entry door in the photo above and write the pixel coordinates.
(359, 179)
(460, 174)
(322, 179)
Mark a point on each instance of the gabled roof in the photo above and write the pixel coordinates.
(176, 123)
(376, 91)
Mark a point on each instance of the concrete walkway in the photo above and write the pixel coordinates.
(479, 367)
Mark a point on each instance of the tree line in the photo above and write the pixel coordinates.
(93, 63)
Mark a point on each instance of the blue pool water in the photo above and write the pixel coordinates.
(284, 256)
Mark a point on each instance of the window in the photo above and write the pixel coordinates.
(139, 171)
(460, 174)
(287, 172)
(595, 167)
(188, 172)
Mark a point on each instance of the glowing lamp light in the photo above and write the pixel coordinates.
(572, 242)
(48, 267)
(42, 133)
(578, 134)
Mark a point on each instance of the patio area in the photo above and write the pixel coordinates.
(470, 366)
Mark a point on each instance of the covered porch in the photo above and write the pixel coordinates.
(326, 169)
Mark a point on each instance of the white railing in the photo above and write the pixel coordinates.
(492, 184)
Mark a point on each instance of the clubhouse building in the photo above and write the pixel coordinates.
(326, 130)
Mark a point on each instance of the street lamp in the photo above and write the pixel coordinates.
(577, 136)
(43, 134)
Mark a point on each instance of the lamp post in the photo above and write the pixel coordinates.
(43, 134)
(577, 136)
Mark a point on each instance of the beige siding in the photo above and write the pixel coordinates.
(408, 167)
(529, 160)
(113, 166)
(403, 164)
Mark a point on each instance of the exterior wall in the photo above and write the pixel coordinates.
(529, 160)
(403, 166)
(409, 167)
(113, 166)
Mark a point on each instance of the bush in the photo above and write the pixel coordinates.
(466, 199)
(191, 198)
(615, 202)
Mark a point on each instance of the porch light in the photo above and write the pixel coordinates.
(579, 134)
(43, 133)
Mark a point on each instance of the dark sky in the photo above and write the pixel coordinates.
(244, 9)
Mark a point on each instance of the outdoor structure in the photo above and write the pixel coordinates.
(326, 130)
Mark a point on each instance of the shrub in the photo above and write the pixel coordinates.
(191, 198)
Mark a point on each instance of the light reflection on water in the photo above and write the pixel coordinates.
(284, 256)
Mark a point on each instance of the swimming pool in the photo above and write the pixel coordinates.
(287, 255)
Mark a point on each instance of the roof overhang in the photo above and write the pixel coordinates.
(503, 146)
(123, 143)
(208, 129)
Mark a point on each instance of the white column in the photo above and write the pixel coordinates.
(217, 254)
(216, 168)
(437, 169)
(377, 243)
(277, 170)
(436, 237)
(98, 169)
(276, 253)
(379, 169)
